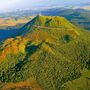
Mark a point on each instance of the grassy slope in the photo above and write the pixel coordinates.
(83, 83)
(78, 17)
(52, 56)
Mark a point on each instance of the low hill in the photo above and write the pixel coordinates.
(50, 53)
(12, 22)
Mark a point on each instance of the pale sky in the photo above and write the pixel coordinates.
(7, 5)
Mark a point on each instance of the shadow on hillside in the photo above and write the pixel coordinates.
(30, 50)
(4, 34)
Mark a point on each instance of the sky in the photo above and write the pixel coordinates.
(9, 5)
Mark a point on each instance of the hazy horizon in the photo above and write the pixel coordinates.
(10, 5)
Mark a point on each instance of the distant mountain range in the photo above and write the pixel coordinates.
(79, 17)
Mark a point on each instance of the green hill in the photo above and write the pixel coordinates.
(51, 53)
(49, 21)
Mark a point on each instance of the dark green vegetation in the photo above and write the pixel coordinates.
(52, 53)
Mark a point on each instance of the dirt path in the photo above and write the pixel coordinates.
(43, 27)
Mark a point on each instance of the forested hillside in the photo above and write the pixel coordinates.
(50, 54)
